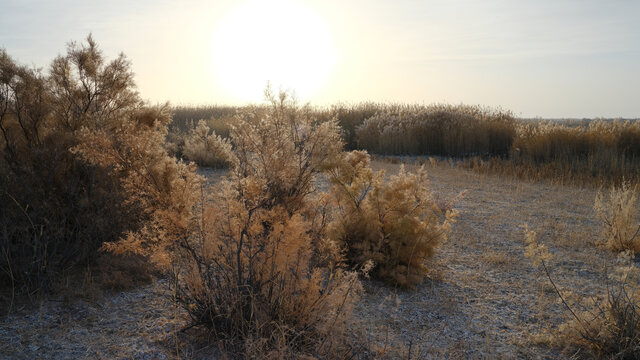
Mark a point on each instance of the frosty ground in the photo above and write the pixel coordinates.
(483, 298)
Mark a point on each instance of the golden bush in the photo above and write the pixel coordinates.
(82, 163)
(619, 217)
(205, 148)
(260, 272)
(395, 223)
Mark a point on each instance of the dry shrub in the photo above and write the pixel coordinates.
(183, 126)
(260, 273)
(205, 148)
(608, 324)
(82, 163)
(162, 190)
(395, 223)
(619, 217)
(350, 116)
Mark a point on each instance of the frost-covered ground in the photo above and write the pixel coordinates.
(483, 298)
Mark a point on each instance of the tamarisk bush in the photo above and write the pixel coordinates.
(394, 223)
(260, 273)
(206, 149)
(82, 164)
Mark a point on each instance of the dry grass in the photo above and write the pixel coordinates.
(444, 130)
(618, 213)
(584, 153)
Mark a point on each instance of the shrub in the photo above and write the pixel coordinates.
(260, 273)
(608, 326)
(619, 217)
(162, 191)
(394, 223)
(81, 163)
(206, 149)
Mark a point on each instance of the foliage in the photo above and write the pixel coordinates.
(205, 148)
(395, 223)
(619, 217)
(608, 325)
(261, 273)
(82, 163)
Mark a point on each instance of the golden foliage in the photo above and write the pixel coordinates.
(394, 223)
(206, 149)
(619, 216)
(82, 163)
(261, 273)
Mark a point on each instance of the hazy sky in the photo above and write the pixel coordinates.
(548, 58)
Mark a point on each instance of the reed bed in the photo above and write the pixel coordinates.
(486, 140)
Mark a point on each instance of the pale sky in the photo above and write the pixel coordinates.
(547, 58)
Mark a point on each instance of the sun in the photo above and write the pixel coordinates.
(280, 42)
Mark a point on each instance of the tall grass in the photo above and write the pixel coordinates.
(598, 152)
(184, 117)
(489, 140)
(446, 130)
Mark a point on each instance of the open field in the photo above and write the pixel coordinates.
(483, 298)
(132, 230)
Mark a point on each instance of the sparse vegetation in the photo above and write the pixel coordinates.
(608, 324)
(273, 259)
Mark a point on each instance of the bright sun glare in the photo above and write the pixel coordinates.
(281, 42)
